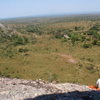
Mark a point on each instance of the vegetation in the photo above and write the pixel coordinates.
(65, 49)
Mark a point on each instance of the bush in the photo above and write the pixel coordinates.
(2, 40)
(91, 32)
(34, 29)
(58, 35)
(83, 38)
(23, 50)
(94, 42)
(94, 33)
(86, 45)
(78, 28)
(19, 40)
(74, 38)
(95, 27)
(98, 43)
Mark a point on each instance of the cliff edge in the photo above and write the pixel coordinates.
(19, 89)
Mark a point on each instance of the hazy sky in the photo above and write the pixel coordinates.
(17, 8)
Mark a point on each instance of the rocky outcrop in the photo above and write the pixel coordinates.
(2, 26)
(18, 89)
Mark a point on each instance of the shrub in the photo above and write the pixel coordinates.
(23, 50)
(94, 42)
(98, 43)
(94, 33)
(95, 27)
(78, 28)
(19, 40)
(86, 45)
(83, 38)
(91, 32)
(2, 40)
(74, 38)
(58, 35)
(34, 29)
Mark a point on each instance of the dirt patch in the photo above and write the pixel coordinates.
(69, 58)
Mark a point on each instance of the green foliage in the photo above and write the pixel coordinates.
(95, 42)
(74, 38)
(58, 35)
(91, 32)
(23, 50)
(2, 40)
(95, 27)
(34, 29)
(98, 43)
(78, 28)
(19, 40)
(96, 35)
(94, 32)
(85, 45)
(38, 47)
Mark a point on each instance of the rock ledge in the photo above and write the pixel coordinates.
(19, 89)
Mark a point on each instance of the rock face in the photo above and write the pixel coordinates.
(17, 89)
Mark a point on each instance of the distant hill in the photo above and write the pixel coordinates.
(52, 19)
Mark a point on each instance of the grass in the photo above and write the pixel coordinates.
(48, 58)
(42, 61)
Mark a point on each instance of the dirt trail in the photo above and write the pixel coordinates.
(68, 58)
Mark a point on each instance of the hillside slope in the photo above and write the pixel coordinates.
(63, 49)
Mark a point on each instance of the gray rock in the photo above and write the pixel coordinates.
(19, 89)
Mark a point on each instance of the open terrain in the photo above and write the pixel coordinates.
(62, 49)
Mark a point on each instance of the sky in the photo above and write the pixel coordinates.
(19, 8)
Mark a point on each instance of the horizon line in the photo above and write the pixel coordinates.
(51, 15)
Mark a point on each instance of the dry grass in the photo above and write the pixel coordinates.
(52, 59)
(42, 61)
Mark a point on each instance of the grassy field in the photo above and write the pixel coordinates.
(50, 57)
